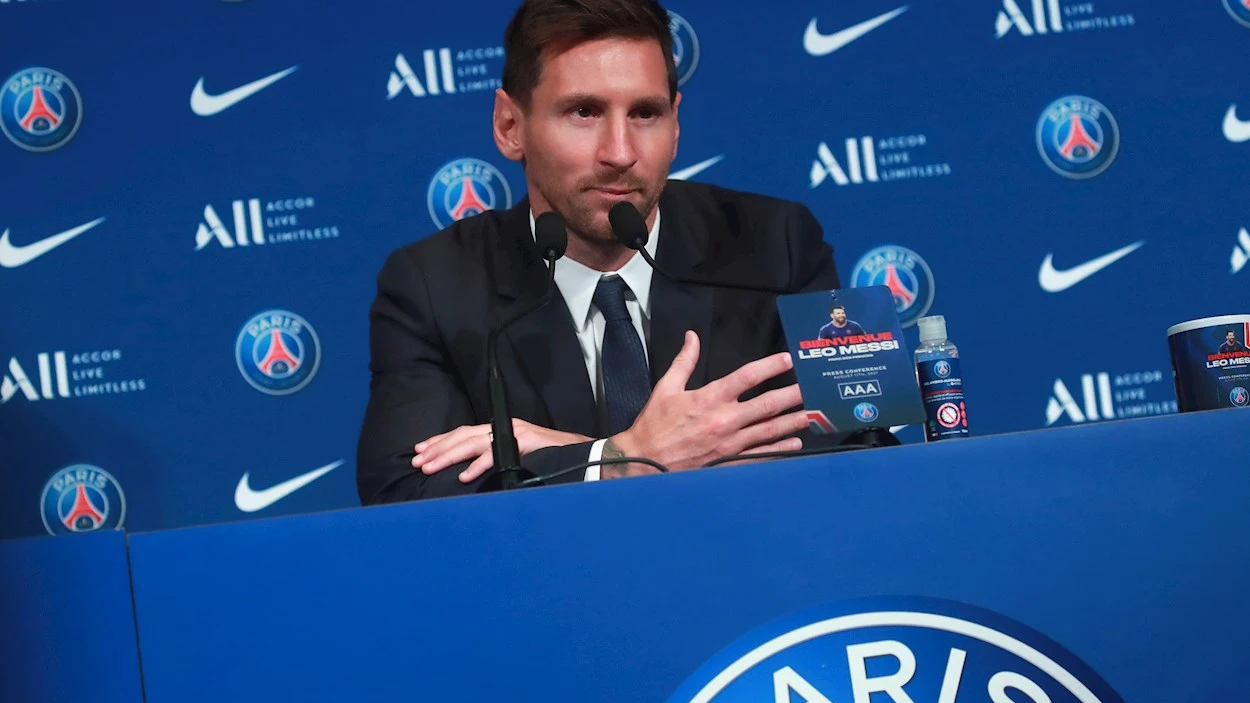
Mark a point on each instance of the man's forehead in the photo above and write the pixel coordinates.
(631, 61)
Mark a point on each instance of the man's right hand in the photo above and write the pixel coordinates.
(686, 429)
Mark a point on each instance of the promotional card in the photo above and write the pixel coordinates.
(854, 370)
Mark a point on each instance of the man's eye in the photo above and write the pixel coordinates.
(584, 111)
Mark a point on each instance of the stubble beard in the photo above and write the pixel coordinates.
(590, 233)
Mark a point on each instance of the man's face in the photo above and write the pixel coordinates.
(600, 129)
(1230, 338)
(839, 316)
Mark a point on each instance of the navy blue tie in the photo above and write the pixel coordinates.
(626, 383)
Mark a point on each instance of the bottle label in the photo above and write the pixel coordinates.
(942, 387)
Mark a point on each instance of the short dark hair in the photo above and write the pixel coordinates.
(543, 26)
(837, 307)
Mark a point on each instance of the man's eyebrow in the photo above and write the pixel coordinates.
(580, 99)
(654, 103)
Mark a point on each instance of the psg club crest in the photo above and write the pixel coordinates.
(278, 352)
(1239, 10)
(1077, 137)
(40, 109)
(896, 648)
(82, 498)
(1239, 396)
(466, 187)
(906, 275)
(866, 412)
(685, 47)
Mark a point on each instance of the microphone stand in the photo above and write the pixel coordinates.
(508, 472)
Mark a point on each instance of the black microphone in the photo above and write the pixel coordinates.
(631, 230)
(552, 239)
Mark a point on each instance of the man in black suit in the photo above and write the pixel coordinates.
(620, 362)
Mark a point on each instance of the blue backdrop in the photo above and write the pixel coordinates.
(199, 194)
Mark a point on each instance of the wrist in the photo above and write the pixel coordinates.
(626, 443)
(618, 447)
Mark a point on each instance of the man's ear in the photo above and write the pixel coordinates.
(507, 122)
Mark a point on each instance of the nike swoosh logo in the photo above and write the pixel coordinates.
(1235, 130)
(818, 44)
(1053, 281)
(695, 170)
(12, 256)
(249, 501)
(206, 105)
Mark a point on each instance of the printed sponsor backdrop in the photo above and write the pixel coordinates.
(199, 195)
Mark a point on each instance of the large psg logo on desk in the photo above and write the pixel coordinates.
(899, 649)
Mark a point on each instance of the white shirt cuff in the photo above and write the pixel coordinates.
(596, 453)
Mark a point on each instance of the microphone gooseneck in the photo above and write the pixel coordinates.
(631, 231)
(551, 238)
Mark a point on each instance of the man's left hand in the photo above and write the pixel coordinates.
(473, 442)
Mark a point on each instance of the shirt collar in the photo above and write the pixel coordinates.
(577, 282)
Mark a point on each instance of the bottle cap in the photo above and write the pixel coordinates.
(932, 329)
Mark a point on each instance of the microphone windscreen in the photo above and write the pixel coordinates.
(628, 226)
(551, 235)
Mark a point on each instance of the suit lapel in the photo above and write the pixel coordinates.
(683, 246)
(544, 342)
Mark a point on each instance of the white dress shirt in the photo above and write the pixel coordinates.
(577, 283)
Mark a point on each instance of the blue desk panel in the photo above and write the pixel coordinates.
(1125, 542)
(66, 621)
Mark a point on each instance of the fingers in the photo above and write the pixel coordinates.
(461, 444)
(789, 444)
(469, 449)
(422, 446)
(478, 467)
(473, 443)
(751, 375)
(457, 434)
(769, 431)
(769, 404)
(678, 374)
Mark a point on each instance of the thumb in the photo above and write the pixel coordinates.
(678, 374)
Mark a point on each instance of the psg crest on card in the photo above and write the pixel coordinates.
(278, 352)
(40, 109)
(82, 498)
(1077, 137)
(1239, 396)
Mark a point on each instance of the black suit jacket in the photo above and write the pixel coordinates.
(438, 298)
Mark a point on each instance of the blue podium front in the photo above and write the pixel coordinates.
(67, 626)
(1097, 563)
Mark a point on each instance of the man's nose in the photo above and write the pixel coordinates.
(616, 148)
